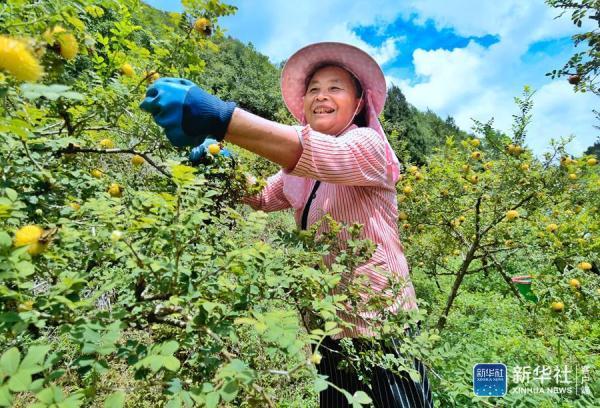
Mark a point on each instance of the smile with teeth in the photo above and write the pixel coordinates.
(322, 110)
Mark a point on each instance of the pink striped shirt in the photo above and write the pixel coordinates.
(355, 187)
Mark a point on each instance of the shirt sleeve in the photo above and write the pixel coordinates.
(271, 198)
(356, 158)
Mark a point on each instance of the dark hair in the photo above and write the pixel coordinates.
(359, 119)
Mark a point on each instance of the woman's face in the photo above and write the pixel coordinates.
(330, 100)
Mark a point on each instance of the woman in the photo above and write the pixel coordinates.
(337, 162)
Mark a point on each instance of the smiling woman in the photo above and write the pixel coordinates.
(336, 162)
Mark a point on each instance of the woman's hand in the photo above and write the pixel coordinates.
(186, 112)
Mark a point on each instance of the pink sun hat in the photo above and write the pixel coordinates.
(304, 61)
(368, 72)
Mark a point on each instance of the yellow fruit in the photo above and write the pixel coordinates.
(403, 216)
(512, 214)
(413, 169)
(214, 149)
(127, 70)
(68, 45)
(592, 162)
(474, 142)
(465, 168)
(524, 166)
(558, 306)
(407, 190)
(107, 143)
(30, 235)
(456, 252)
(25, 306)
(574, 283)
(474, 179)
(315, 358)
(421, 227)
(476, 155)
(461, 218)
(75, 206)
(203, 26)
(97, 173)
(115, 190)
(151, 76)
(116, 235)
(418, 175)
(511, 148)
(444, 193)
(509, 242)
(585, 266)
(572, 176)
(137, 160)
(18, 60)
(552, 228)
(487, 165)
(406, 225)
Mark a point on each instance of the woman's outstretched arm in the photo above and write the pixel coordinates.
(271, 140)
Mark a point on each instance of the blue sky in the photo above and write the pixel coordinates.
(460, 58)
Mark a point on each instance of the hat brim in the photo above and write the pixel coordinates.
(304, 61)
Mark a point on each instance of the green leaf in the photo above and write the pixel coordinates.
(9, 362)
(229, 391)
(361, 397)
(11, 194)
(212, 399)
(5, 397)
(5, 240)
(115, 400)
(25, 269)
(168, 348)
(171, 363)
(320, 384)
(20, 382)
(51, 92)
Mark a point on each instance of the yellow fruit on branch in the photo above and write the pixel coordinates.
(127, 70)
(97, 173)
(62, 41)
(552, 228)
(214, 149)
(407, 190)
(18, 60)
(31, 235)
(476, 155)
(474, 142)
(137, 160)
(592, 161)
(487, 165)
(574, 283)
(418, 175)
(584, 266)
(115, 190)
(512, 214)
(315, 358)
(402, 216)
(474, 179)
(107, 143)
(465, 168)
(203, 26)
(557, 307)
(572, 176)
(74, 206)
(151, 76)
(413, 169)
(406, 225)
(25, 306)
(524, 166)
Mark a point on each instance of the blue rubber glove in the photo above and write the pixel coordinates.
(199, 153)
(187, 113)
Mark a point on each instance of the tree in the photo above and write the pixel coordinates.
(582, 68)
